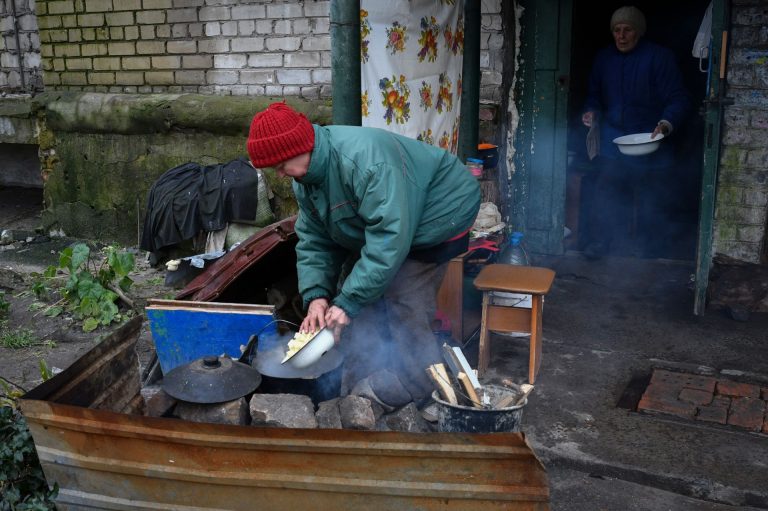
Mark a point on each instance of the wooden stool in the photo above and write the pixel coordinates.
(508, 278)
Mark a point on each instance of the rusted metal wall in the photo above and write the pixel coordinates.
(107, 458)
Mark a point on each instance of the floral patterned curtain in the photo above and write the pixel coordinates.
(411, 59)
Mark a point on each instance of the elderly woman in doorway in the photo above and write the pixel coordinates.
(635, 87)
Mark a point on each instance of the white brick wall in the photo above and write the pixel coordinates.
(274, 47)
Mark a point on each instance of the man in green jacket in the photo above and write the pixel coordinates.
(395, 209)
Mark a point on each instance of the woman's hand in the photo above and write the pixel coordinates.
(315, 318)
(336, 319)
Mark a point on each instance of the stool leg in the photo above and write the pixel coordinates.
(534, 358)
(484, 353)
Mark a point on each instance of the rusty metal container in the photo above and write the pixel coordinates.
(93, 441)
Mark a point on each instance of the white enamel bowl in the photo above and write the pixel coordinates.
(638, 144)
(313, 350)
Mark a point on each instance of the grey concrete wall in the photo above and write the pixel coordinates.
(20, 69)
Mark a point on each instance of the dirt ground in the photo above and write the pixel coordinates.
(58, 341)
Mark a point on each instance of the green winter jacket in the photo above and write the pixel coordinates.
(379, 194)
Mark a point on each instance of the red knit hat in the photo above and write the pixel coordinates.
(277, 134)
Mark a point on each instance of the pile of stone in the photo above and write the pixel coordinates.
(392, 409)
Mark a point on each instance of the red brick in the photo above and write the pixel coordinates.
(736, 389)
(717, 411)
(667, 378)
(678, 408)
(697, 397)
(660, 391)
(747, 413)
(683, 380)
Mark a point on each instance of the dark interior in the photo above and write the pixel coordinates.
(673, 25)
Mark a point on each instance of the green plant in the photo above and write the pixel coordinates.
(16, 339)
(22, 483)
(5, 305)
(91, 291)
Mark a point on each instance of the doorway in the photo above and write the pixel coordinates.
(673, 25)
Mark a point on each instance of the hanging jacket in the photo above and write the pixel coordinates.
(191, 198)
(631, 92)
(380, 194)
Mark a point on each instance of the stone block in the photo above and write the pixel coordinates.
(301, 26)
(129, 78)
(751, 233)
(736, 389)
(131, 33)
(116, 49)
(156, 4)
(315, 43)
(67, 50)
(294, 77)
(282, 43)
(747, 413)
(90, 20)
(321, 76)
(282, 27)
(407, 419)
(302, 59)
(214, 46)
(229, 61)
(213, 29)
(182, 47)
(158, 77)
(196, 61)
(283, 411)
(270, 60)
(181, 15)
(147, 31)
(232, 412)
(135, 63)
(214, 13)
(163, 31)
(221, 77)
(286, 10)
(757, 158)
(247, 44)
(321, 26)
(328, 415)
(246, 27)
(101, 78)
(74, 79)
(356, 413)
(248, 12)
(168, 62)
(156, 401)
(229, 28)
(253, 77)
(189, 77)
(61, 7)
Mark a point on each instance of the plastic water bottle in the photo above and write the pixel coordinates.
(514, 252)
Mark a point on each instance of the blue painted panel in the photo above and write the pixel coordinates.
(184, 335)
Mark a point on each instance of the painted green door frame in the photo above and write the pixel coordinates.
(712, 123)
(538, 181)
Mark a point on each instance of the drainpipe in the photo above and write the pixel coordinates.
(345, 62)
(470, 85)
(18, 45)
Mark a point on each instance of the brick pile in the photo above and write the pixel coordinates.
(707, 399)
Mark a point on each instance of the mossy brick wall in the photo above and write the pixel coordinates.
(741, 213)
(101, 153)
(20, 69)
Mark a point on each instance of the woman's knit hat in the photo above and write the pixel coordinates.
(277, 134)
(630, 15)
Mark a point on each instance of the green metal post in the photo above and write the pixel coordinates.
(345, 61)
(470, 82)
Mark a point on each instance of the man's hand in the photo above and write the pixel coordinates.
(588, 118)
(315, 319)
(336, 319)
